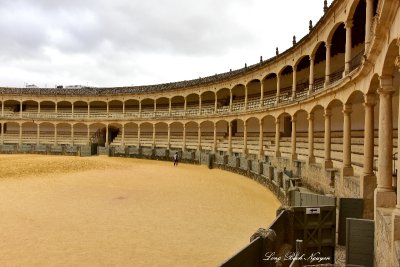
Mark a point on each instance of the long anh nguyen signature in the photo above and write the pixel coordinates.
(291, 256)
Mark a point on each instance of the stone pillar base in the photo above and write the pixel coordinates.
(310, 160)
(396, 224)
(367, 187)
(261, 155)
(328, 164)
(244, 152)
(293, 157)
(278, 154)
(384, 199)
(347, 171)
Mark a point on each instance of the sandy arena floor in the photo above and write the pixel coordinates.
(100, 211)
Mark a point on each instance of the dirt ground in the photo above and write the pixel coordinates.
(100, 211)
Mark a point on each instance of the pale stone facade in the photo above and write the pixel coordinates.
(331, 102)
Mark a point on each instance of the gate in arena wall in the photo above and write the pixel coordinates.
(316, 227)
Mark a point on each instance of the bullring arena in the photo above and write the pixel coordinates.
(326, 109)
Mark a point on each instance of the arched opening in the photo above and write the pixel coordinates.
(11, 133)
(29, 133)
(46, 133)
(268, 123)
(115, 134)
(47, 107)
(191, 135)
(282, 144)
(176, 129)
(97, 134)
(162, 107)
(302, 77)
(115, 108)
(319, 67)
(64, 134)
(208, 103)
(30, 107)
(192, 104)
(161, 135)
(222, 136)
(81, 134)
(131, 108)
(223, 100)
(338, 49)
(178, 106)
(286, 84)
(146, 134)
(270, 88)
(98, 109)
(319, 131)
(237, 136)
(238, 97)
(358, 35)
(254, 94)
(147, 108)
(253, 136)
(207, 135)
(64, 109)
(11, 107)
(80, 109)
(131, 134)
(301, 135)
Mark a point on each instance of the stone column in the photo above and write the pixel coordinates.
(261, 141)
(184, 137)
(37, 134)
(20, 134)
(170, 107)
(2, 108)
(199, 104)
(169, 137)
(262, 94)
(140, 109)
(246, 97)
(215, 104)
(199, 138)
(368, 178)
(244, 138)
(328, 64)
(311, 157)
(72, 109)
(40, 105)
(185, 106)
(368, 22)
(294, 83)
(138, 136)
(396, 212)
(294, 154)
(2, 133)
(154, 135)
(327, 140)
(108, 109)
(20, 109)
(278, 87)
(384, 193)
(56, 108)
(123, 109)
(215, 138)
(88, 109)
(348, 26)
(277, 137)
(55, 134)
(230, 138)
(347, 169)
(230, 101)
(123, 136)
(311, 78)
(88, 133)
(107, 142)
(72, 134)
(155, 108)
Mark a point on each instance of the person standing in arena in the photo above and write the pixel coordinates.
(176, 159)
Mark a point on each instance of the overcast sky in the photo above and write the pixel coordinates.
(132, 42)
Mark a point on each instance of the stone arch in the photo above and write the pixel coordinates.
(147, 107)
(131, 107)
(80, 134)
(97, 133)
(131, 133)
(238, 96)
(222, 135)
(176, 129)
(191, 135)
(207, 135)
(207, 102)
(146, 134)
(254, 93)
(177, 106)
(223, 100)
(46, 133)
(29, 132)
(161, 135)
(64, 133)
(192, 104)
(64, 106)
